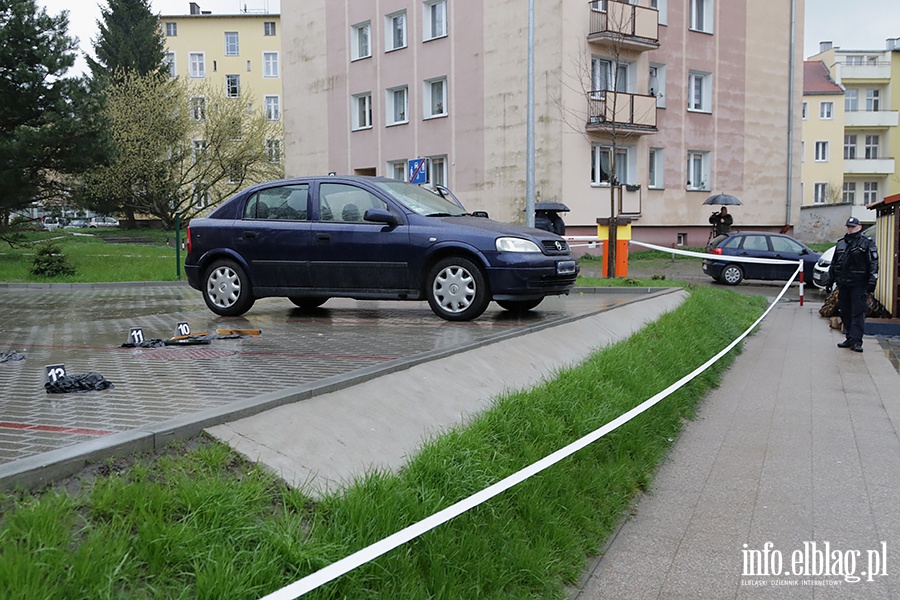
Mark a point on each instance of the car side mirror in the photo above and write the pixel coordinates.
(380, 215)
(481, 213)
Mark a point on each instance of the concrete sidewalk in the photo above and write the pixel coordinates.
(799, 448)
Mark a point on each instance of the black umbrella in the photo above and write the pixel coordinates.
(723, 199)
(555, 206)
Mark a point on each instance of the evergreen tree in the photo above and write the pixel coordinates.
(130, 40)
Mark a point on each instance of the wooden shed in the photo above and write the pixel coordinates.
(887, 224)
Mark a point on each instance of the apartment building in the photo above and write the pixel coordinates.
(665, 101)
(851, 112)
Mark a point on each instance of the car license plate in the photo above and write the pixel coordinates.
(565, 267)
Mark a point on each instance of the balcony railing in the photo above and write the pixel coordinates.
(635, 27)
(869, 166)
(871, 118)
(633, 112)
(879, 70)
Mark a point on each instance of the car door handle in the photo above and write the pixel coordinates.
(249, 235)
(323, 237)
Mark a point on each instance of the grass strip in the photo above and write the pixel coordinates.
(204, 523)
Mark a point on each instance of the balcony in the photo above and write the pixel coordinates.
(872, 119)
(632, 113)
(873, 71)
(869, 166)
(630, 26)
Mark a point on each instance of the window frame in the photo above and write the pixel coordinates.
(704, 103)
(269, 28)
(170, 59)
(391, 113)
(433, 171)
(397, 167)
(171, 29)
(872, 145)
(271, 64)
(849, 146)
(849, 192)
(873, 100)
(391, 30)
(197, 108)
(656, 169)
(428, 104)
(623, 155)
(821, 151)
(826, 111)
(870, 192)
(428, 21)
(356, 39)
(274, 152)
(271, 101)
(232, 85)
(702, 16)
(197, 65)
(701, 159)
(851, 100)
(355, 114)
(820, 192)
(232, 43)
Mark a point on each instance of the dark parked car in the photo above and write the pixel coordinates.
(758, 245)
(310, 239)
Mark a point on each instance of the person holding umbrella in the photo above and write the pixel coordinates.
(721, 221)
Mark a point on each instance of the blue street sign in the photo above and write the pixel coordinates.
(417, 170)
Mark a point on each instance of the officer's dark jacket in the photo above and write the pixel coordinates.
(855, 261)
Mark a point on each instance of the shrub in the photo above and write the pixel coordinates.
(51, 262)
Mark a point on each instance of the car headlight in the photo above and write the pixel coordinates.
(824, 263)
(513, 244)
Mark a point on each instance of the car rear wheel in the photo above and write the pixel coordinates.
(227, 291)
(519, 306)
(732, 275)
(457, 290)
(307, 302)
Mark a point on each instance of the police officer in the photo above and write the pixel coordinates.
(854, 269)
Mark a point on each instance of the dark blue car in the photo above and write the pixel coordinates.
(314, 238)
(758, 245)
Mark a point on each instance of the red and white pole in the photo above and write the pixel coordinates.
(801, 283)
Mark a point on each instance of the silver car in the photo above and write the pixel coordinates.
(820, 271)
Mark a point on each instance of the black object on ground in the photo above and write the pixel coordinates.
(87, 382)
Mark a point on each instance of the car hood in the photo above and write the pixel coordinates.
(498, 228)
(827, 256)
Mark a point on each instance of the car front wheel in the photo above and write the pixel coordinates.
(227, 291)
(732, 275)
(519, 306)
(307, 302)
(457, 290)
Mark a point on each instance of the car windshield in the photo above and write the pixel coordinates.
(420, 200)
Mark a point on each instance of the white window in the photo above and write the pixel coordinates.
(171, 29)
(361, 110)
(872, 146)
(437, 170)
(198, 108)
(273, 150)
(870, 192)
(198, 150)
(607, 74)
(655, 169)
(169, 61)
(851, 100)
(849, 147)
(872, 100)
(656, 84)
(820, 193)
(434, 98)
(395, 31)
(231, 43)
(360, 45)
(270, 64)
(269, 28)
(698, 170)
(662, 7)
(397, 170)
(805, 110)
(397, 105)
(197, 62)
(854, 60)
(200, 195)
(700, 92)
(850, 192)
(233, 86)
(435, 19)
(601, 170)
(826, 110)
(273, 107)
(821, 151)
(702, 15)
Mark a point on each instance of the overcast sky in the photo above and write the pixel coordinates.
(853, 25)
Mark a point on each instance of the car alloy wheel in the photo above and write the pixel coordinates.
(457, 290)
(732, 274)
(227, 291)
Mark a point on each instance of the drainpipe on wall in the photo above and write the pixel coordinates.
(790, 148)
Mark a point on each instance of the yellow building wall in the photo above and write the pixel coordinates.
(816, 129)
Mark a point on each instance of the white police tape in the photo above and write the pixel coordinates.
(369, 553)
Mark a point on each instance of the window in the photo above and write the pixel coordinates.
(600, 165)
(359, 43)
(395, 31)
(656, 84)
(872, 100)
(850, 192)
(820, 193)
(269, 28)
(347, 203)
(169, 61)
(434, 98)
(854, 61)
(655, 169)
(273, 151)
(231, 43)
(198, 108)
(361, 109)
(270, 64)
(662, 7)
(851, 100)
(200, 195)
(233, 86)
(437, 170)
(698, 170)
(198, 150)
(273, 107)
(397, 105)
(849, 147)
(702, 15)
(608, 75)
(197, 62)
(397, 170)
(872, 146)
(286, 203)
(826, 110)
(435, 17)
(171, 29)
(821, 151)
(870, 192)
(804, 111)
(700, 92)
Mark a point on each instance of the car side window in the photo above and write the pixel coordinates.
(780, 244)
(346, 203)
(734, 242)
(756, 242)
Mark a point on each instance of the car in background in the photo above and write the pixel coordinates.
(313, 238)
(76, 224)
(102, 222)
(758, 245)
(51, 223)
(820, 273)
